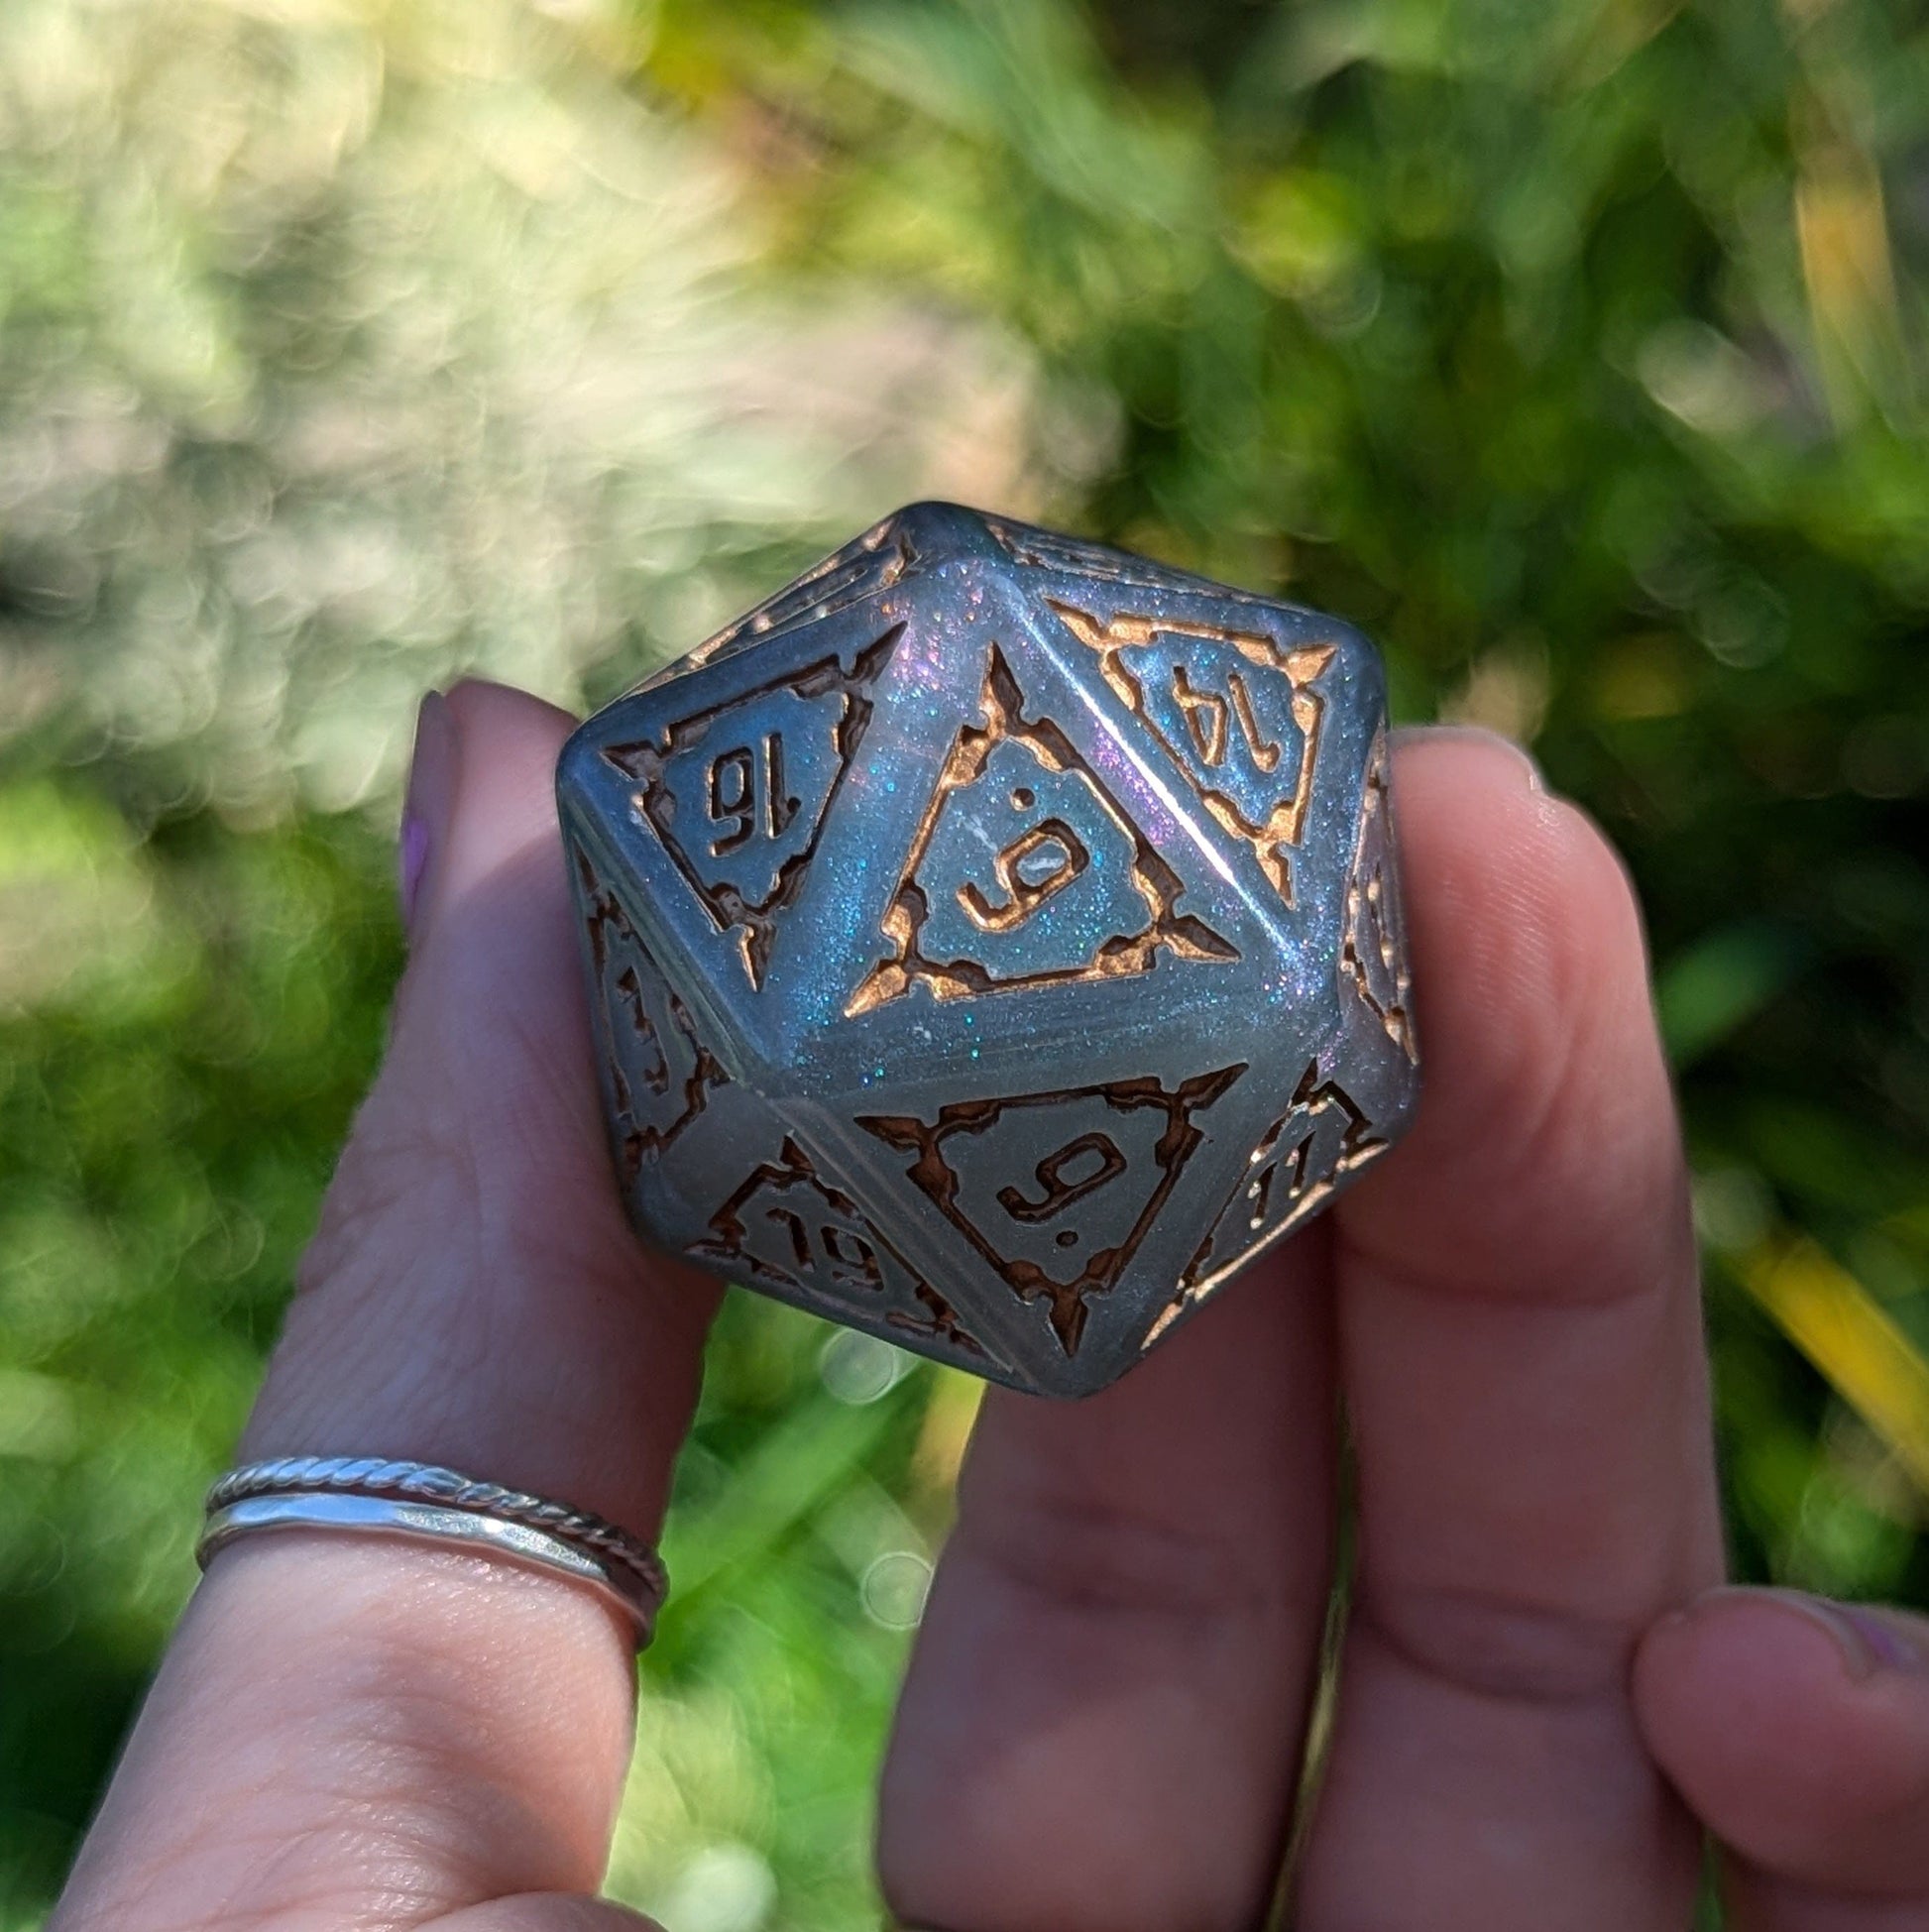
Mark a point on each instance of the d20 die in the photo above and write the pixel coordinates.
(995, 941)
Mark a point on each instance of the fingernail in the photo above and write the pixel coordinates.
(1867, 1641)
(1887, 1644)
(1475, 735)
(425, 805)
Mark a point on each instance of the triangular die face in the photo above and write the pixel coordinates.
(739, 792)
(1056, 1190)
(1026, 869)
(1037, 549)
(1239, 712)
(660, 1072)
(1302, 1157)
(1373, 950)
(866, 566)
(1320, 1140)
(792, 1233)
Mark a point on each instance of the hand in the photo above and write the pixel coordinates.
(1103, 1722)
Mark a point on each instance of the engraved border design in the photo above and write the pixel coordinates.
(1158, 885)
(793, 1165)
(1068, 1301)
(644, 760)
(1079, 556)
(1301, 666)
(605, 916)
(844, 578)
(1359, 1144)
(941, 1322)
(1373, 914)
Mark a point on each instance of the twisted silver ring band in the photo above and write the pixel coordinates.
(434, 1505)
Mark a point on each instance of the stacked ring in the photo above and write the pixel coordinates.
(418, 1500)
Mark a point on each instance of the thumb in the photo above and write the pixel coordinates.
(474, 1295)
(369, 1733)
(1797, 1729)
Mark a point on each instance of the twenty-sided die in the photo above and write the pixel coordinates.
(995, 941)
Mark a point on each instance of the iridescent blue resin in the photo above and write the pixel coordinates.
(995, 941)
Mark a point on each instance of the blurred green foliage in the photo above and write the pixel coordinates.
(1578, 353)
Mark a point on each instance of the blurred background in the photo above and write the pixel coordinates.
(1576, 352)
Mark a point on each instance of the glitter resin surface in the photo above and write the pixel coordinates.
(995, 942)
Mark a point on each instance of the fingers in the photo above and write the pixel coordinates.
(1521, 1355)
(1101, 1724)
(369, 1734)
(473, 1294)
(1798, 1731)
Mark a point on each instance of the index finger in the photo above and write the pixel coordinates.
(363, 1733)
(1521, 1350)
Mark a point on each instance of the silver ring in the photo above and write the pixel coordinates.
(428, 1504)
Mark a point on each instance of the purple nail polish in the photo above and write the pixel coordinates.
(413, 857)
(1883, 1641)
(429, 799)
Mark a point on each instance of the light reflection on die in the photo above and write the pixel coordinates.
(995, 941)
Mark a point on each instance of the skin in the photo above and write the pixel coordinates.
(1546, 1699)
